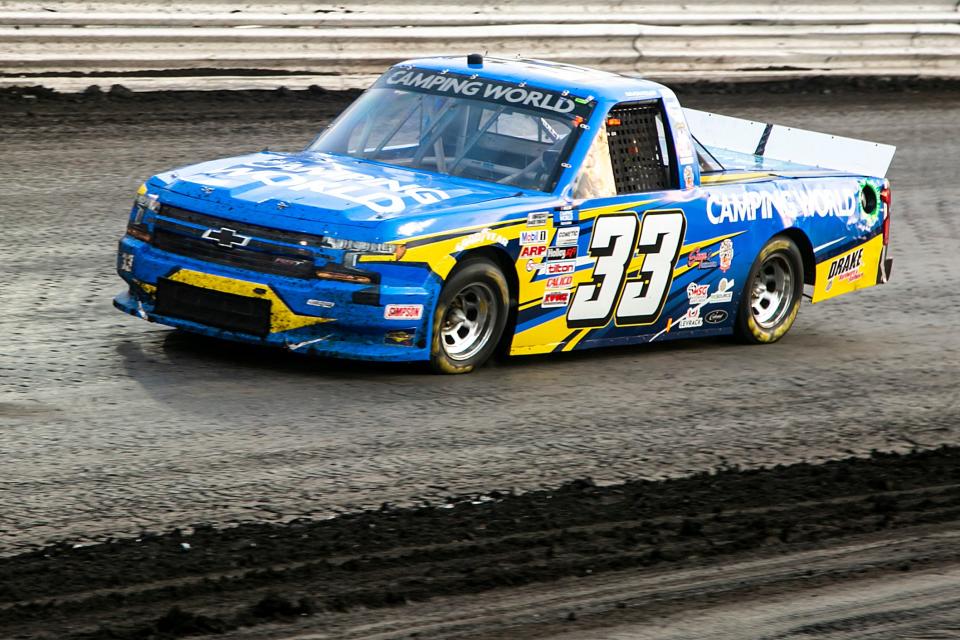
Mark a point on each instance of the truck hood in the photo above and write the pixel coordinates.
(324, 188)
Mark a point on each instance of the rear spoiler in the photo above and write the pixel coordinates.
(777, 142)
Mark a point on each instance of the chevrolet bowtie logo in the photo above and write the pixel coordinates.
(225, 237)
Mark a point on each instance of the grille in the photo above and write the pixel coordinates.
(235, 244)
(228, 311)
(638, 162)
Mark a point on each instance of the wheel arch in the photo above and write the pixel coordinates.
(806, 253)
(499, 256)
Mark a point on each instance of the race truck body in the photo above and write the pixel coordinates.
(465, 205)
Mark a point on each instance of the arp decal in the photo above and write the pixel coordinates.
(533, 251)
(616, 239)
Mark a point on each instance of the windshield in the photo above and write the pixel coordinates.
(461, 126)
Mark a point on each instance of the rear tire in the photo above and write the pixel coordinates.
(771, 296)
(470, 317)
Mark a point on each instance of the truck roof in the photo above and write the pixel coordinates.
(548, 75)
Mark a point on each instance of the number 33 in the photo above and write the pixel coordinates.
(615, 240)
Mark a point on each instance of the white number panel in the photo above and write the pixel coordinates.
(616, 240)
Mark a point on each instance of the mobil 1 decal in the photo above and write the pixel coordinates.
(617, 239)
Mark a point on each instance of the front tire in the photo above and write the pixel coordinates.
(771, 297)
(470, 317)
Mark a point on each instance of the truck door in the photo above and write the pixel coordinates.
(632, 196)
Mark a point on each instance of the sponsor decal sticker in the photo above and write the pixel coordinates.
(847, 268)
(126, 262)
(553, 268)
(533, 251)
(537, 219)
(561, 253)
(566, 217)
(402, 338)
(568, 237)
(716, 316)
(691, 319)
(697, 293)
(724, 292)
(560, 282)
(533, 237)
(688, 177)
(726, 254)
(701, 259)
(554, 299)
(748, 206)
(323, 304)
(444, 83)
(403, 311)
(481, 237)
(383, 195)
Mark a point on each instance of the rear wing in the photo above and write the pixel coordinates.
(787, 144)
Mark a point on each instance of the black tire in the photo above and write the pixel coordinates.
(475, 288)
(763, 316)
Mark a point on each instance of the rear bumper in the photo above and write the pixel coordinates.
(308, 316)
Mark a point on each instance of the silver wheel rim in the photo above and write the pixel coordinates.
(772, 294)
(468, 321)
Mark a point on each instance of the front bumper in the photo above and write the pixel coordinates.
(330, 318)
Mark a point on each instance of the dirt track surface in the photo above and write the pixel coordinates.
(111, 425)
(678, 557)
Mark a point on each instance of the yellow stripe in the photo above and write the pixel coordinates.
(575, 340)
(733, 177)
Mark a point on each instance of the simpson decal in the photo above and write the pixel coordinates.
(403, 311)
